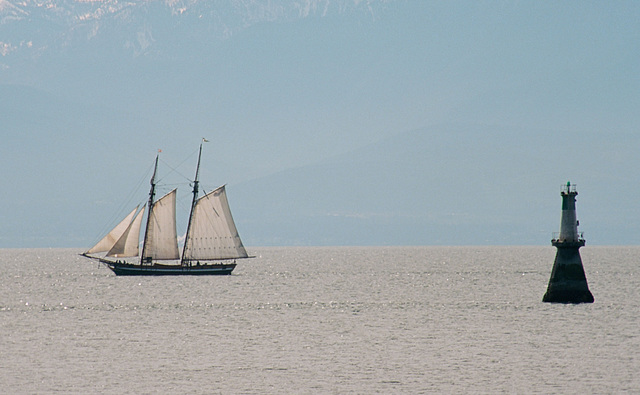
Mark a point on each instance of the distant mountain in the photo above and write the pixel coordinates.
(309, 106)
(447, 185)
(30, 29)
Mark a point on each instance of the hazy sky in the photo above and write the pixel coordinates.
(81, 123)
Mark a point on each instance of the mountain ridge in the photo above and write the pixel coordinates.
(445, 185)
(142, 28)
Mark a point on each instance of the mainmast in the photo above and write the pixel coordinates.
(152, 194)
(193, 205)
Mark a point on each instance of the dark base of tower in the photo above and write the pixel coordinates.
(568, 296)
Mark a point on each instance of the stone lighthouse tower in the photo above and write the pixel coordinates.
(568, 283)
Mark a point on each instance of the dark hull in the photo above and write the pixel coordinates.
(123, 269)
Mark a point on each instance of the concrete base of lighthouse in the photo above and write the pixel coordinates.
(568, 283)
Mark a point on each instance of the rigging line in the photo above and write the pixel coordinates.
(172, 185)
(175, 169)
(141, 182)
(184, 200)
(117, 217)
(184, 207)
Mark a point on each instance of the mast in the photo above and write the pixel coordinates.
(193, 204)
(152, 194)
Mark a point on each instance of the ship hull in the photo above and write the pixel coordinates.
(123, 269)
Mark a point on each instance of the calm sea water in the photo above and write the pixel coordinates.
(322, 320)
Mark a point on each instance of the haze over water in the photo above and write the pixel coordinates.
(322, 320)
(333, 122)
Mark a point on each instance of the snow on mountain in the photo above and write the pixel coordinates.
(33, 27)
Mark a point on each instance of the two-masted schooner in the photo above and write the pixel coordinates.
(211, 244)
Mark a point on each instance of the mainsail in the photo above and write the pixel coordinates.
(212, 233)
(127, 245)
(161, 242)
(112, 237)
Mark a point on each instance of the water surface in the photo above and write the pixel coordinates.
(322, 320)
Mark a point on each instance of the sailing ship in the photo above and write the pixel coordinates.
(211, 245)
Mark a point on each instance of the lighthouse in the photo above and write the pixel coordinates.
(568, 283)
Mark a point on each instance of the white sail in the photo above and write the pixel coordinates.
(127, 245)
(112, 237)
(161, 242)
(213, 234)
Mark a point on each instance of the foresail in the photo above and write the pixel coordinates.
(161, 242)
(213, 234)
(127, 245)
(113, 236)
